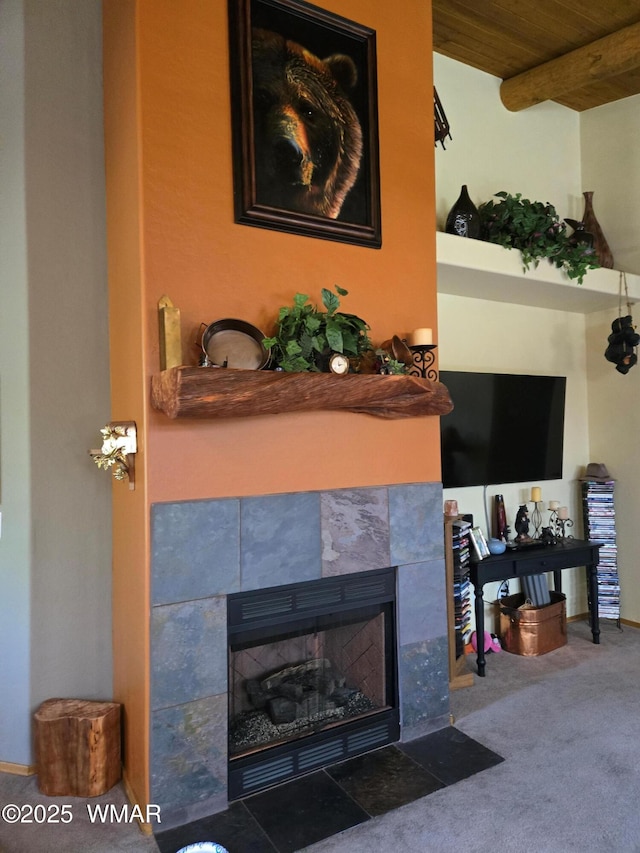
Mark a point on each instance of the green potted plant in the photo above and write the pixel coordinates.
(536, 230)
(306, 336)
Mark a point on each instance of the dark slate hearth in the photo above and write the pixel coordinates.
(290, 817)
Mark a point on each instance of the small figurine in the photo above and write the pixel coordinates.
(522, 524)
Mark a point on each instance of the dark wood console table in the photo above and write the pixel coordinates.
(536, 560)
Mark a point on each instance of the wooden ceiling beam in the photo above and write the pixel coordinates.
(612, 55)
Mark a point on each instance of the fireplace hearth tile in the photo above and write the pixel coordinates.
(451, 755)
(188, 651)
(195, 549)
(355, 531)
(235, 829)
(415, 513)
(304, 812)
(280, 540)
(384, 780)
(189, 756)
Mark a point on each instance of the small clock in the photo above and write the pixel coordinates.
(339, 363)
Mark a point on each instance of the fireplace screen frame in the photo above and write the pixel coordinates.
(276, 612)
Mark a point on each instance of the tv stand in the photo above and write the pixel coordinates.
(536, 560)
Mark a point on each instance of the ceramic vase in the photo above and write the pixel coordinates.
(592, 226)
(463, 218)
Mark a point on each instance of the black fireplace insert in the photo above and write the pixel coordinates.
(312, 676)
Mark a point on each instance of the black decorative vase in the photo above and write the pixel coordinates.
(592, 226)
(463, 218)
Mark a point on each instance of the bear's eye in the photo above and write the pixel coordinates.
(307, 109)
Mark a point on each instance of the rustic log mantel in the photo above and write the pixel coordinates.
(205, 392)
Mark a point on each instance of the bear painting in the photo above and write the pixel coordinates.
(307, 136)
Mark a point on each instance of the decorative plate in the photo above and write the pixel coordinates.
(203, 847)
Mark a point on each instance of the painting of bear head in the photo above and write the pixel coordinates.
(307, 136)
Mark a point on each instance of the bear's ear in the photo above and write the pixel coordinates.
(343, 69)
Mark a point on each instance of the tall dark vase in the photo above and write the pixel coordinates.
(463, 218)
(592, 226)
(500, 519)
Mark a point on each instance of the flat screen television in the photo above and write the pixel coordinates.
(504, 428)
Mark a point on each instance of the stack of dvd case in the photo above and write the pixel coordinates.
(600, 526)
(461, 583)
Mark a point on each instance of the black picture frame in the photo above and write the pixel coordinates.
(258, 192)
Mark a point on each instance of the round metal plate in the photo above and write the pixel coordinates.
(234, 343)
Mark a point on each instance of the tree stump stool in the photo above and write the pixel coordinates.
(78, 751)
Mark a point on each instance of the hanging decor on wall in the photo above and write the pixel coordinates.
(623, 340)
(442, 129)
(304, 121)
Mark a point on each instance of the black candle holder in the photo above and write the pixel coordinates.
(423, 361)
(536, 519)
(560, 526)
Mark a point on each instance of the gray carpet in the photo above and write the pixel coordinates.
(567, 724)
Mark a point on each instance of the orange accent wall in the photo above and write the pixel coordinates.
(171, 231)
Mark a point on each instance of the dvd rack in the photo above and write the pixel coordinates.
(459, 605)
(599, 515)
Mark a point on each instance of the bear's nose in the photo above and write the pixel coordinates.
(288, 158)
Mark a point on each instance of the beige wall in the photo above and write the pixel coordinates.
(535, 152)
(611, 168)
(550, 153)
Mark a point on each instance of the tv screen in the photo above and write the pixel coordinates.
(504, 428)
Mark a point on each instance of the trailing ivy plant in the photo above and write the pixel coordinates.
(306, 336)
(536, 230)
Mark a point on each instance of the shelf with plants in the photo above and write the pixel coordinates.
(379, 382)
(481, 270)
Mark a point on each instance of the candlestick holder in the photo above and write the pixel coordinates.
(423, 360)
(559, 526)
(536, 519)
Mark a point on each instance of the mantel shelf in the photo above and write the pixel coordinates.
(205, 392)
(482, 270)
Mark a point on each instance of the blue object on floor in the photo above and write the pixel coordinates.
(203, 847)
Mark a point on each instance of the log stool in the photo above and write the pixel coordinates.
(78, 751)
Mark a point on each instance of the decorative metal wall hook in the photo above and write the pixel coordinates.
(441, 124)
(119, 446)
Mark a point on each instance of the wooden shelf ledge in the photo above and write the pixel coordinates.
(206, 392)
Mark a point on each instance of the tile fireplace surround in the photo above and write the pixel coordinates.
(204, 550)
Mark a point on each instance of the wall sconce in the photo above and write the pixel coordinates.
(119, 446)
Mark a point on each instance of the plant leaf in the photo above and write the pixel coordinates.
(330, 301)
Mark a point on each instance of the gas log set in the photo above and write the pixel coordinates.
(293, 699)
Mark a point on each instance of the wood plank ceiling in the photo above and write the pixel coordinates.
(579, 53)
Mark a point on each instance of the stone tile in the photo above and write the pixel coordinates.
(303, 812)
(423, 679)
(384, 780)
(195, 549)
(355, 531)
(280, 541)
(422, 603)
(188, 752)
(451, 755)
(188, 651)
(415, 514)
(235, 829)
